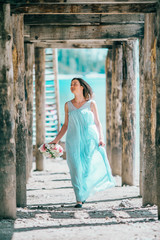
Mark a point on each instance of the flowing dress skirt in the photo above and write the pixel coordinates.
(88, 164)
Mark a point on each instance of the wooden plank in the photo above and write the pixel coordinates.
(85, 32)
(104, 1)
(122, 18)
(34, 1)
(82, 19)
(72, 45)
(85, 8)
(78, 42)
(57, 19)
(73, 1)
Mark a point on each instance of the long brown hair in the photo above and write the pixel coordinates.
(87, 90)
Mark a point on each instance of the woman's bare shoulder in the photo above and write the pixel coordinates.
(93, 105)
(66, 106)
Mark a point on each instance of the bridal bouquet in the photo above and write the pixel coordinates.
(51, 150)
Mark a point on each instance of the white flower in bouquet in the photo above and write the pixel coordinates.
(51, 150)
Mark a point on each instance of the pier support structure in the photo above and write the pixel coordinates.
(116, 110)
(7, 126)
(108, 68)
(40, 104)
(20, 108)
(129, 112)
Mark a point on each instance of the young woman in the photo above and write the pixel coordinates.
(87, 160)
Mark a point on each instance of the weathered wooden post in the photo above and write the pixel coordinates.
(108, 67)
(116, 108)
(149, 163)
(158, 110)
(56, 84)
(20, 109)
(7, 142)
(29, 59)
(141, 106)
(40, 104)
(129, 112)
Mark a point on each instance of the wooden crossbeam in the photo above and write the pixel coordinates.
(73, 45)
(85, 8)
(72, 1)
(50, 33)
(82, 19)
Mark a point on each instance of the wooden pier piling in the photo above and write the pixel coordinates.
(40, 104)
(7, 126)
(116, 110)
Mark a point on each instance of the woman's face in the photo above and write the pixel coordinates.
(76, 87)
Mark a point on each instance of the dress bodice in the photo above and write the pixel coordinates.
(71, 107)
(83, 115)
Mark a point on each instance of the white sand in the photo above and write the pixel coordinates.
(113, 214)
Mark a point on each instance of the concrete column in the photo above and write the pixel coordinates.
(116, 110)
(29, 59)
(149, 163)
(7, 126)
(20, 108)
(129, 112)
(108, 67)
(40, 104)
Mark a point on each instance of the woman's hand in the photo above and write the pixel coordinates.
(98, 123)
(101, 143)
(53, 142)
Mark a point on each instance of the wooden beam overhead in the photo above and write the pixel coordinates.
(51, 33)
(78, 42)
(82, 19)
(73, 1)
(73, 45)
(58, 19)
(85, 8)
(104, 1)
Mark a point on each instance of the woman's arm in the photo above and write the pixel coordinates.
(98, 123)
(64, 127)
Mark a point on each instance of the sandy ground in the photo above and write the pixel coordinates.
(116, 213)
